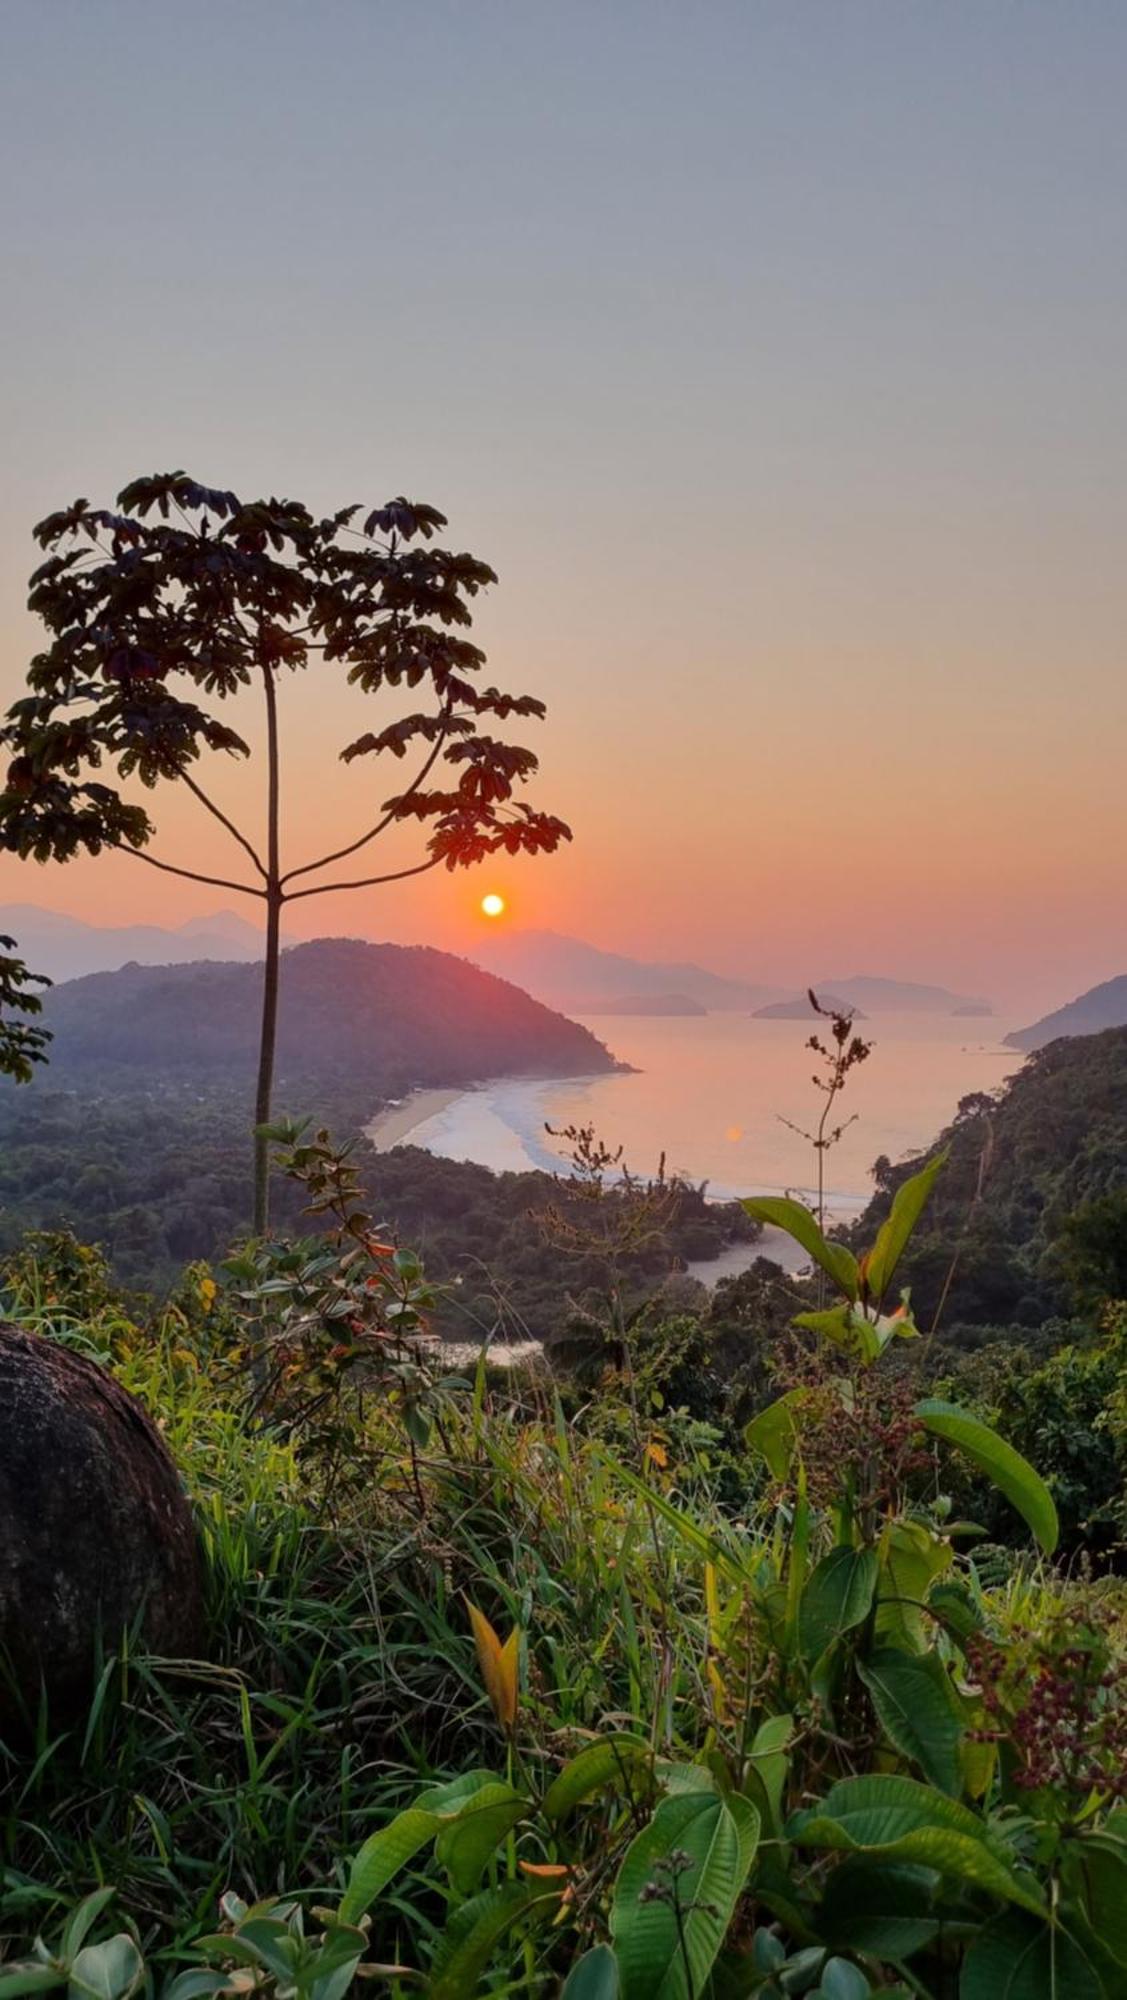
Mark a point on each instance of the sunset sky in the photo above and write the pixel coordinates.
(772, 353)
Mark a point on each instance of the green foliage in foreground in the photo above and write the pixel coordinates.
(527, 1708)
(157, 1176)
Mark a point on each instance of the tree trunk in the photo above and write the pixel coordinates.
(266, 1065)
(268, 1037)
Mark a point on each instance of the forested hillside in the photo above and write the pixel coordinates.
(375, 1018)
(159, 1177)
(1011, 1209)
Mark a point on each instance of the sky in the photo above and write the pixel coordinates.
(771, 353)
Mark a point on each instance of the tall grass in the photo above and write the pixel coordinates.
(340, 1670)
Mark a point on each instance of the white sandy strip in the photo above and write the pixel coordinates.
(394, 1124)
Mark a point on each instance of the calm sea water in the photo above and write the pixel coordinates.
(711, 1092)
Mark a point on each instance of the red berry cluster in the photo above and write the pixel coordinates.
(875, 1445)
(1057, 1699)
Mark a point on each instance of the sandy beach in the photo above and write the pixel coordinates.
(391, 1126)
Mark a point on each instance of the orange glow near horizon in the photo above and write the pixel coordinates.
(493, 905)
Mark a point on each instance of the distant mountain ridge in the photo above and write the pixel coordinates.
(1101, 1007)
(373, 1020)
(567, 972)
(65, 947)
(902, 996)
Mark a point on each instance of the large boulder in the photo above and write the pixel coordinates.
(95, 1531)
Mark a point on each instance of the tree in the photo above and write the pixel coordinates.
(188, 594)
(1091, 1248)
(22, 1044)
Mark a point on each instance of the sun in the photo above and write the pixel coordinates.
(493, 905)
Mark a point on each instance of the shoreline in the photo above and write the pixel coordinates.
(393, 1125)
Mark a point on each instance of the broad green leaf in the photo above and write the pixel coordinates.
(198, 1983)
(843, 1328)
(720, 1838)
(882, 1908)
(907, 1206)
(339, 1946)
(769, 1762)
(383, 1855)
(1095, 1872)
(271, 1944)
(782, 1213)
(612, 1760)
(465, 1844)
(919, 1712)
(1006, 1468)
(386, 1852)
(839, 1980)
(1018, 1958)
(837, 1597)
(82, 1920)
(28, 1977)
(593, 1977)
(954, 1605)
(335, 1984)
(676, 1778)
(911, 1558)
(474, 1932)
(773, 1433)
(901, 1820)
(108, 1971)
(448, 1799)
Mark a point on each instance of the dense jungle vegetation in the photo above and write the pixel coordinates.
(763, 1644)
(1032, 1198)
(158, 1179)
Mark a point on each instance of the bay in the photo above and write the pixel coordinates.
(712, 1093)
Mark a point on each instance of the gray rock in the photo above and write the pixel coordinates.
(96, 1533)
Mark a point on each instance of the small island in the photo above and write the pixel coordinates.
(799, 1009)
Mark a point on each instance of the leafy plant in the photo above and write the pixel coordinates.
(23, 1044)
(334, 1323)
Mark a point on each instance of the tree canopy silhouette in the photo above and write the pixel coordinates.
(185, 597)
(22, 1042)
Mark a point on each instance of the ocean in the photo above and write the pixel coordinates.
(711, 1092)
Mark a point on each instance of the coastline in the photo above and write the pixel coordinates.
(394, 1124)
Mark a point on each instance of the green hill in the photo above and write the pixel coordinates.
(1021, 1163)
(375, 1019)
(1100, 1007)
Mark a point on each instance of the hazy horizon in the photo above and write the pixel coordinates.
(477, 942)
(772, 355)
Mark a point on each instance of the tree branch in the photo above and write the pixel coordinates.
(370, 881)
(189, 874)
(232, 829)
(310, 867)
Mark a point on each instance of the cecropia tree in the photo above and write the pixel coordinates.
(185, 597)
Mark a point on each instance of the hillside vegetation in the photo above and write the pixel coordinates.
(1019, 1167)
(376, 1018)
(744, 1644)
(567, 1686)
